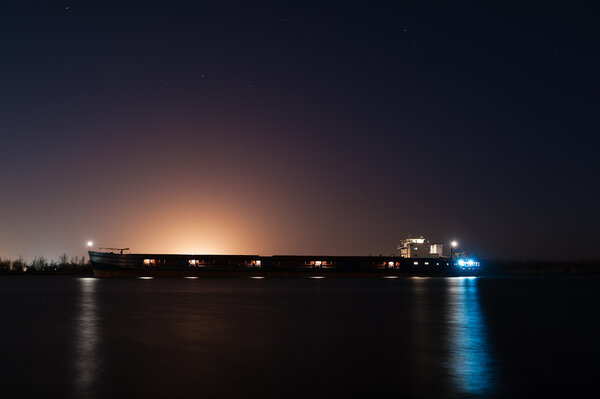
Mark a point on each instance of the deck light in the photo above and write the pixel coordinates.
(90, 243)
(453, 245)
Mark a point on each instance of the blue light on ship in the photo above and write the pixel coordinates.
(467, 263)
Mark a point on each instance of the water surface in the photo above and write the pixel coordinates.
(404, 337)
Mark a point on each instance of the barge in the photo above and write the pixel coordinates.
(119, 264)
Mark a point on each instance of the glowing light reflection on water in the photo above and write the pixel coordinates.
(86, 339)
(470, 359)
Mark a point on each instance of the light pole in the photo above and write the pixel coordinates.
(453, 245)
(90, 244)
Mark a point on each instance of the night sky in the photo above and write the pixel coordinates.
(305, 128)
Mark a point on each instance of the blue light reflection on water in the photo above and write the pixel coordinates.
(470, 359)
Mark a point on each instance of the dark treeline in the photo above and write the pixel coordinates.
(539, 267)
(42, 265)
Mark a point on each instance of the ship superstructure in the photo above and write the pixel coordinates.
(420, 248)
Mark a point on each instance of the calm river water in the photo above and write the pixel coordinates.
(328, 338)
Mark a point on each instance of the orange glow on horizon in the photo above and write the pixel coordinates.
(180, 226)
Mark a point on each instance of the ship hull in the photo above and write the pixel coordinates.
(272, 274)
(253, 266)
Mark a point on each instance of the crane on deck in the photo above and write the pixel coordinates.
(116, 249)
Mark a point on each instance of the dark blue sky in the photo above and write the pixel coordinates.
(279, 127)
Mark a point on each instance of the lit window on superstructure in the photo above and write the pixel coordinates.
(149, 262)
(193, 262)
